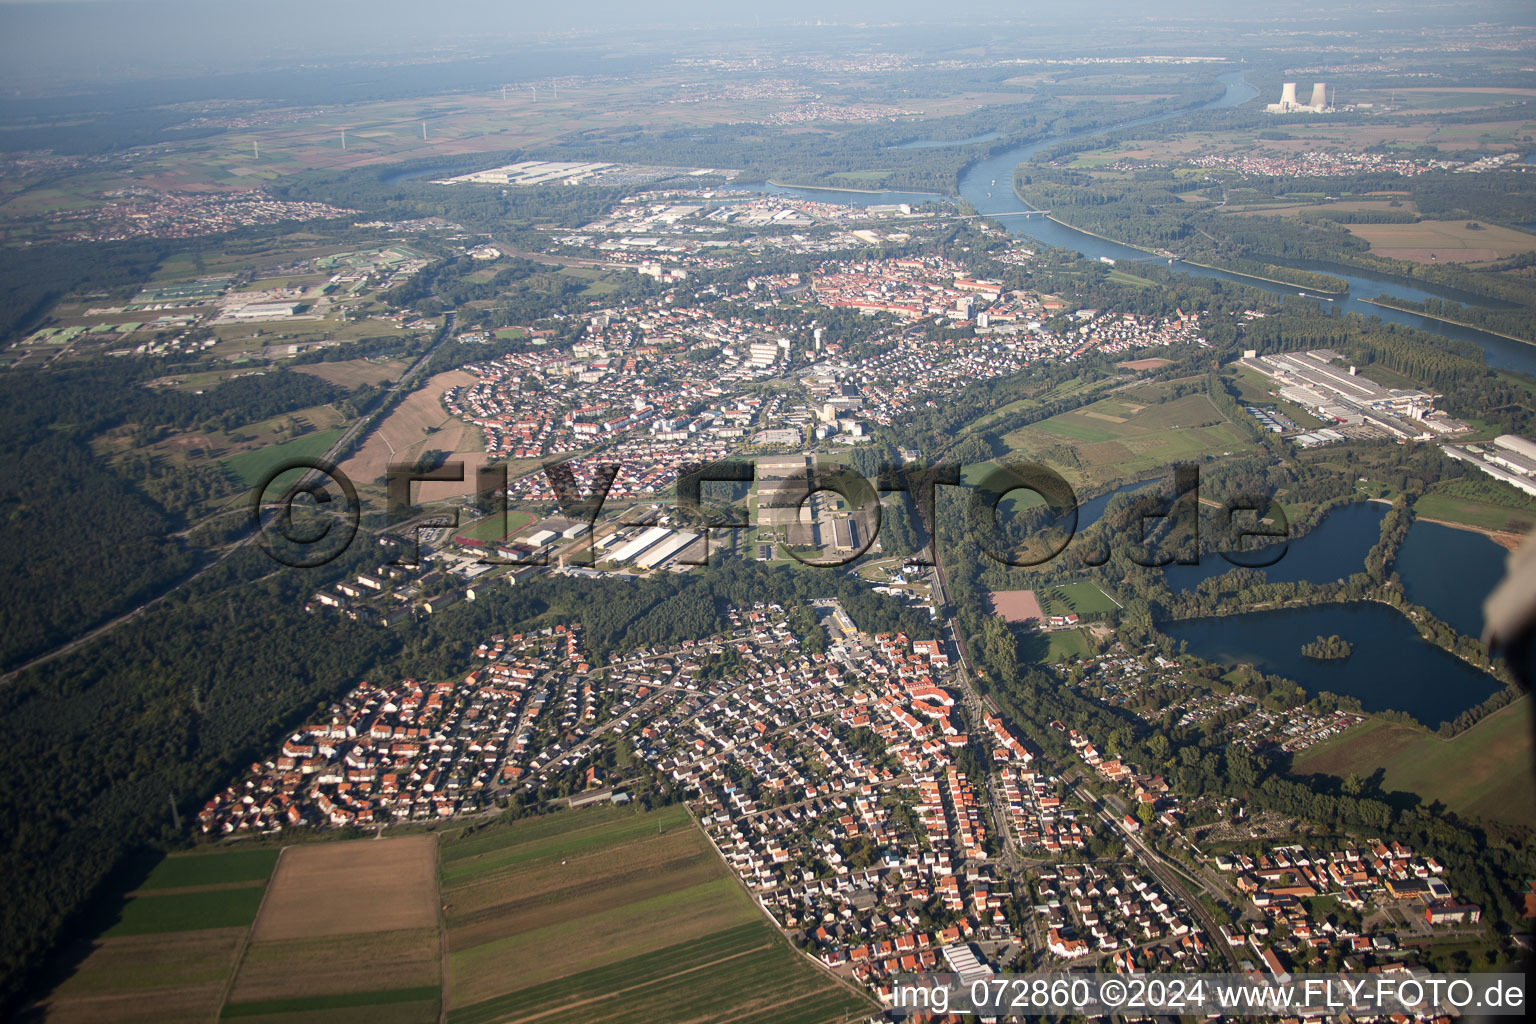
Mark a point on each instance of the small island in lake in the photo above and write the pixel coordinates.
(1331, 648)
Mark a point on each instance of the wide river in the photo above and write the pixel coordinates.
(1448, 571)
(988, 186)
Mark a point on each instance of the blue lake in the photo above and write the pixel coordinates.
(1391, 667)
(1450, 572)
(1334, 549)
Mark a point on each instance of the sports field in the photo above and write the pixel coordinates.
(1128, 434)
(1483, 773)
(1016, 605)
(494, 528)
(612, 914)
(1076, 599)
(1064, 643)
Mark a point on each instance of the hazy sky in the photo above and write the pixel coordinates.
(94, 39)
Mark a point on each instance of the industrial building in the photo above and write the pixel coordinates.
(1317, 104)
(666, 550)
(261, 311)
(633, 548)
(1509, 458)
(1341, 396)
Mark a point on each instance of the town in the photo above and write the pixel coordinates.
(853, 788)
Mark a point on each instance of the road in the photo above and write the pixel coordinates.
(354, 432)
(975, 703)
(1163, 872)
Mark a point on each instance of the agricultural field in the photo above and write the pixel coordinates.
(417, 423)
(345, 925)
(1484, 772)
(170, 952)
(349, 373)
(1126, 435)
(223, 868)
(555, 918)
(251, 467)
(1439, 241)
(332, 888)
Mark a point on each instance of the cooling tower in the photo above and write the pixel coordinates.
(1288, 95)
(1319, 96)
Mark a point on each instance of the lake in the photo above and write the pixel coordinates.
(1450, 572)
(1391, 668)
(1335, 548)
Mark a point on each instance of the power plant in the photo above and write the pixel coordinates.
(1288, 104)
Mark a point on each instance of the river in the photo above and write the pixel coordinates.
(987, 185)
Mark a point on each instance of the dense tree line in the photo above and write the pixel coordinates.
(84, 542)
(106, 738)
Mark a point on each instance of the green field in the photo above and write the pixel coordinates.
(427, 996)
(1132, 433)
(1076, 598)
(187, 911)
(491, 529)
(1484, 772)
(563, 915)
(1469, 512)
(744, 973)
(172, 949)
(211, 869)
(1063, 643)
(250, 467)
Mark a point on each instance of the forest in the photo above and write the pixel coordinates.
(109, 737)
(84, 543)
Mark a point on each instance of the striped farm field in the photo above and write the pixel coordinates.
(560, 917)
(345, 925)
(171, 951)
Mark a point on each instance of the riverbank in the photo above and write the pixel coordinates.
(861, 191)
(1329, 293)
(1503, 538)
(1448, 320)
(1322, 293)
